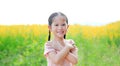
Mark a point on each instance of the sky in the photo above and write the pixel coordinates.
(84, 12)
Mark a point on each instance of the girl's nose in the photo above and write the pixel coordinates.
(59, 27)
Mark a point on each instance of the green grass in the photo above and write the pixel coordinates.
(18, 51)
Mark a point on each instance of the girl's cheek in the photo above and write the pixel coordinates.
(65, 28)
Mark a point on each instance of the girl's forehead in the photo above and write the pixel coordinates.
(59, 18)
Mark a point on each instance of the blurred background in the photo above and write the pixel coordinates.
(94, 26)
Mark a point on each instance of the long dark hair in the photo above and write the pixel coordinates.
(51, 18)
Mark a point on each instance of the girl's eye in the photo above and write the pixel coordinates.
(63, 24)
(56, 25)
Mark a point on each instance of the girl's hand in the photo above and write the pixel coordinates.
(70, 44)
(74, 49)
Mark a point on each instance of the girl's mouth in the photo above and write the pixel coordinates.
(60, 32)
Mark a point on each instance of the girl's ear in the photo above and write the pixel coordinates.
(49, 27)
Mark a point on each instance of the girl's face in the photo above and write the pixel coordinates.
(59, 26)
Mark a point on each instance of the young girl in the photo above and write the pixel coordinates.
(59, 51)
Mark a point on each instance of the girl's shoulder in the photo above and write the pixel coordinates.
(48, 43)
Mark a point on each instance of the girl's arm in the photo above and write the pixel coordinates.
(57, 58)
(73, 56)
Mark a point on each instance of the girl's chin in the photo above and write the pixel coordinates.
(61, 36)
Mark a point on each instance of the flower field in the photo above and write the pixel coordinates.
(23, 45)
